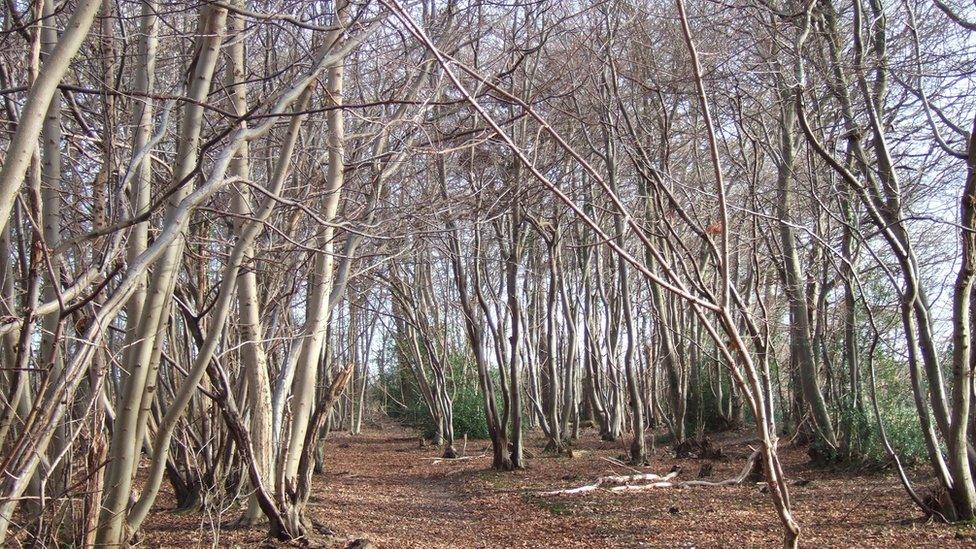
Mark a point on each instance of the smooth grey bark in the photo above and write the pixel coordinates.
(140, 168)
(50, 358)
(795, 284)
(512, 258)
(225, 296)
(962, 490)
(139, 391)
(248, 303)
(18, 154)
(303, 429)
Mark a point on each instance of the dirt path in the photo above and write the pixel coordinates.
(384, 487)
(390, 490)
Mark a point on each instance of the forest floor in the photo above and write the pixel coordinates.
(383, 486)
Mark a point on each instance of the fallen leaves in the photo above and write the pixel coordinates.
(381, 488)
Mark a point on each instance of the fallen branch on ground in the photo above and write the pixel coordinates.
(435, 461)
(627, 483)
(615, 480)
(619, 463)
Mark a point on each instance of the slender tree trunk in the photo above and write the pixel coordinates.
(248, 302)
(515, 339)
(22, 143)
(318, 306)
(132, 413)
(800, 334)
(962, 491)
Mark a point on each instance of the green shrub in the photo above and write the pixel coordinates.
(859, 430)
(467, 404)
(469, 414)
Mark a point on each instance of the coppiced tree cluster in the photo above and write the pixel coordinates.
(229, 227)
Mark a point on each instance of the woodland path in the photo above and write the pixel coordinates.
(384, 487)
